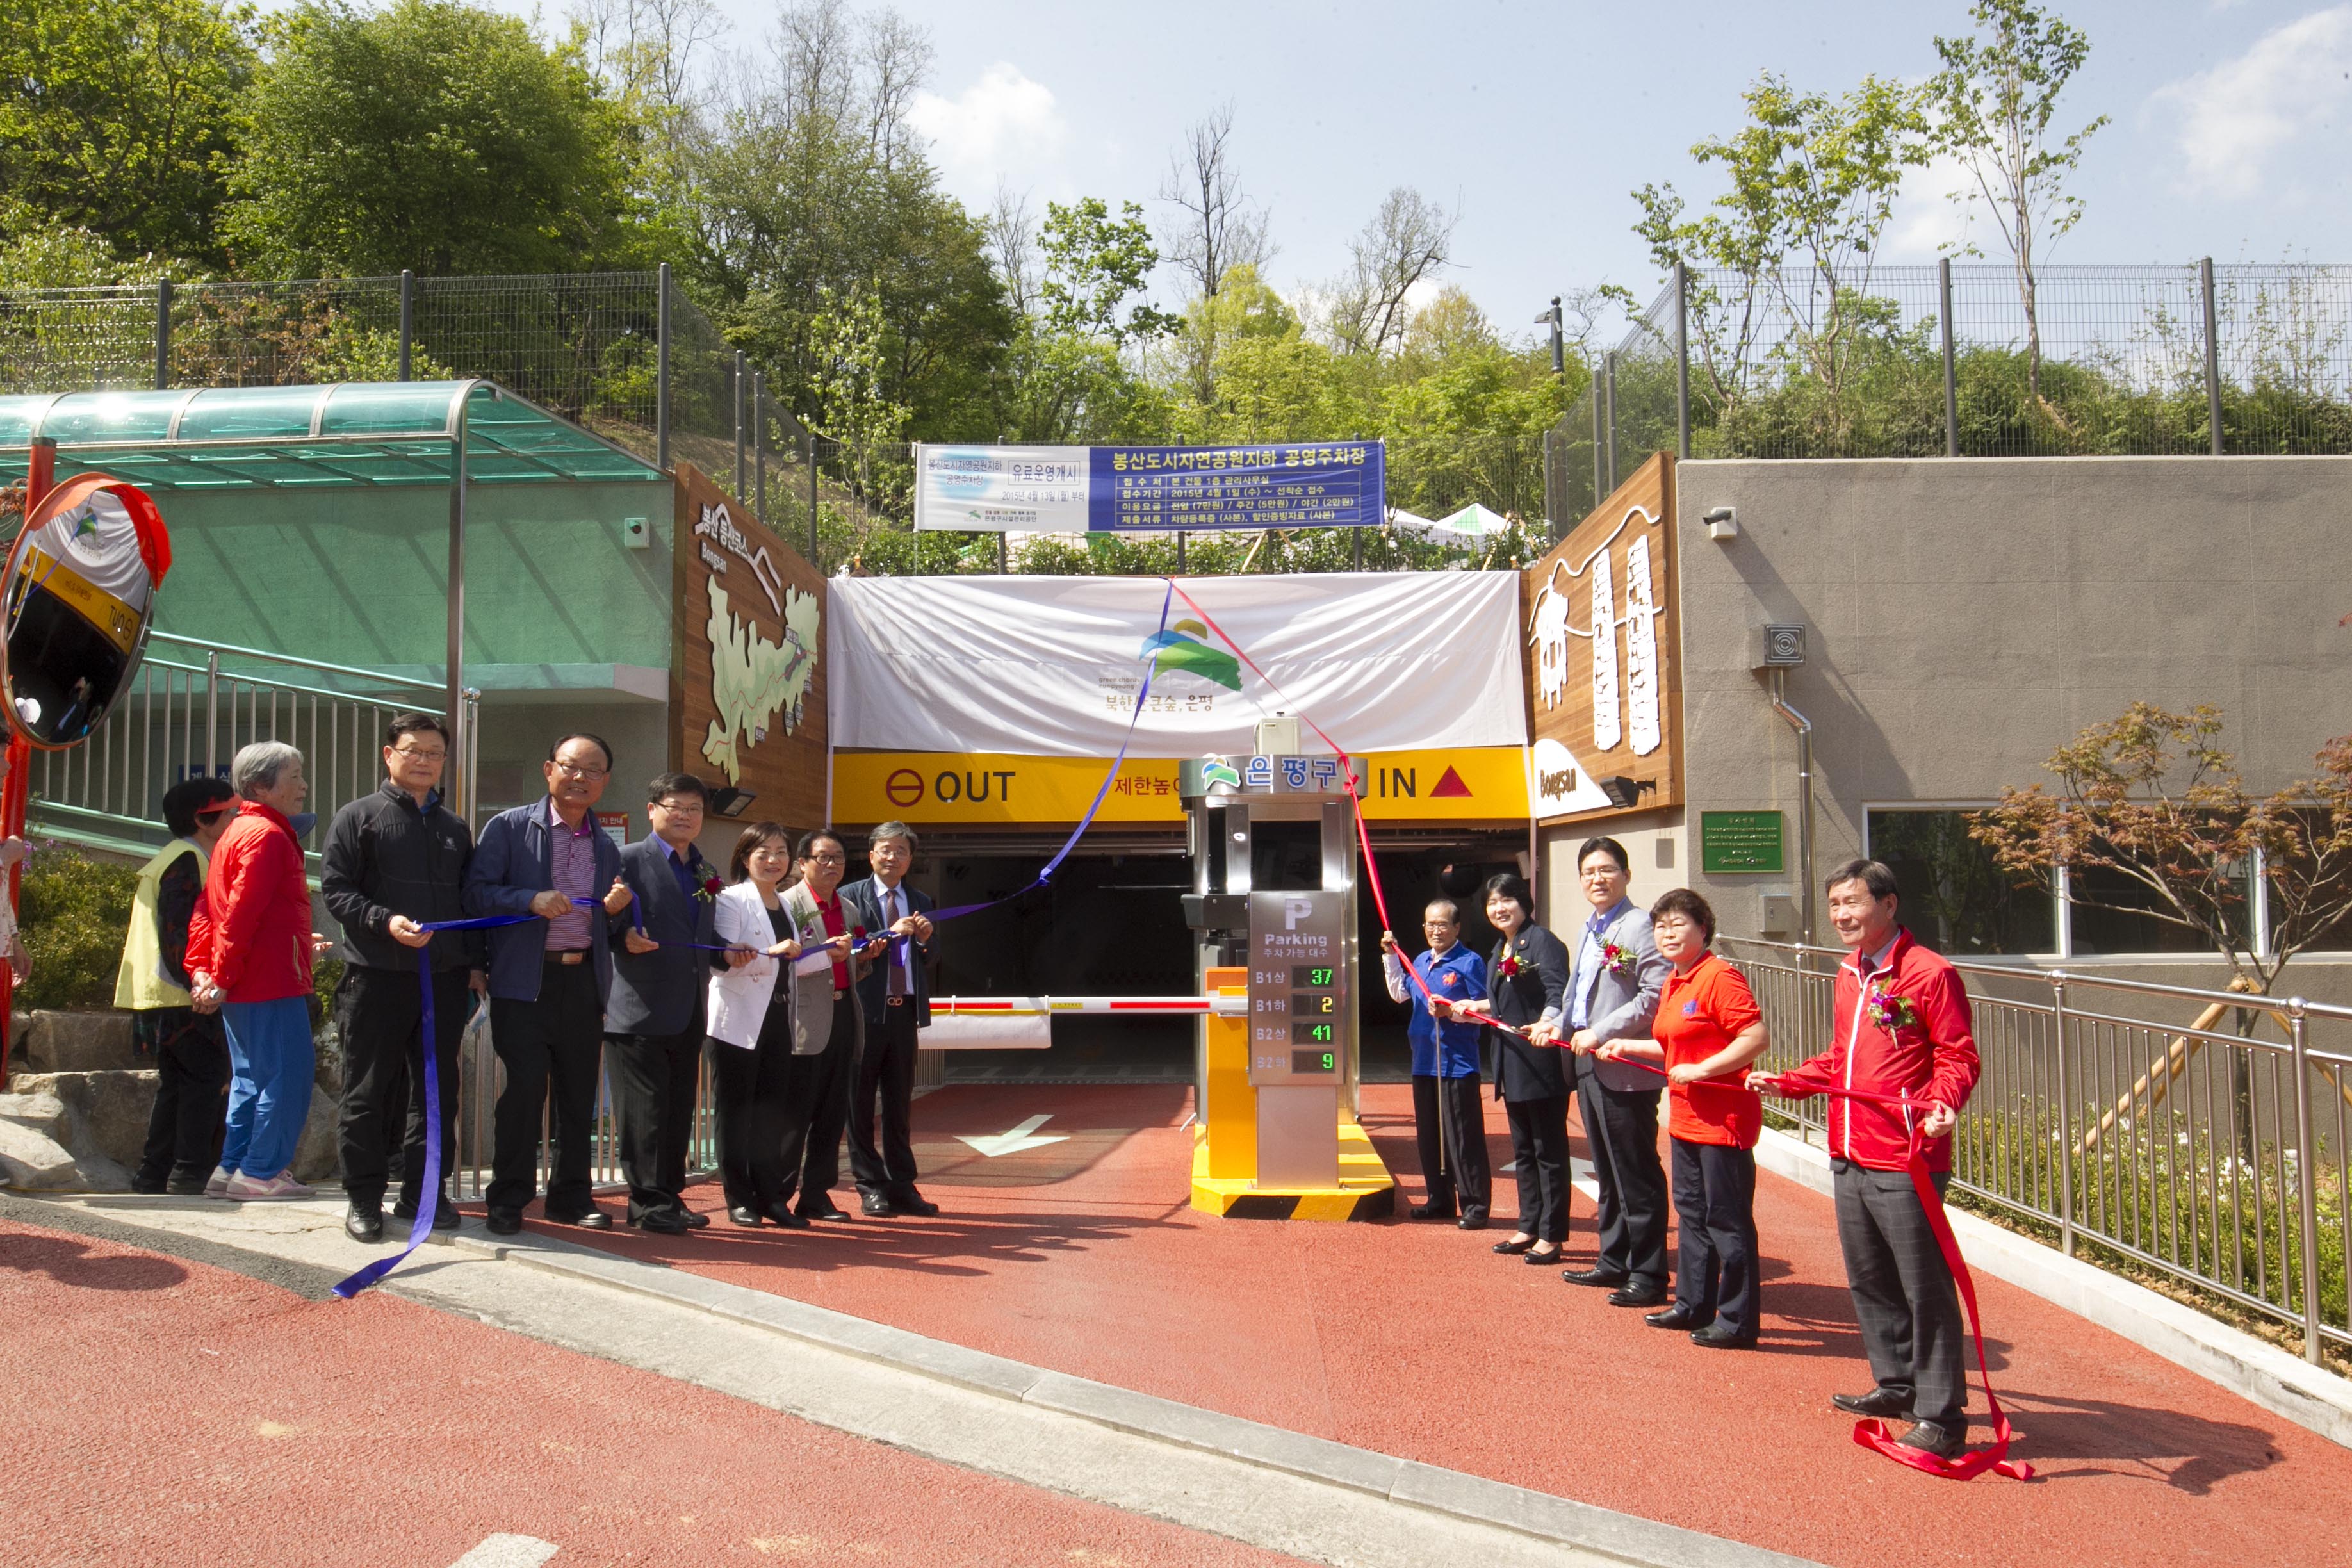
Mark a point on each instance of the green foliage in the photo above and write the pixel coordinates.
(1094, 265)
(73, 910)
(119, 117)
(431, 135)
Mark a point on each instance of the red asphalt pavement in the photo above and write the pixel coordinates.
(171, 1414)
(1414, 1340)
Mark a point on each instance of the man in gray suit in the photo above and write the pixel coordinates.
(1613, 995)
(652, 1024)
(896, 995)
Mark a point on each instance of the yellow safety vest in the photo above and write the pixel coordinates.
(142, 982)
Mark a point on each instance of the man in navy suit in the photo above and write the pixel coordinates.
(895, 993)
(549, 979)
(652, 1025)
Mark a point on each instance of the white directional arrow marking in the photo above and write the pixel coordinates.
(1021, 1137)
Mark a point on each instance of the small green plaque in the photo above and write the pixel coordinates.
(1730, 842)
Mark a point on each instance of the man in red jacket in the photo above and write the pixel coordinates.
(1902, 1029)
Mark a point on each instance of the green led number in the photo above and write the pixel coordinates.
(1327, 1063)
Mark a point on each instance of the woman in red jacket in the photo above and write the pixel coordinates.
(250, 948)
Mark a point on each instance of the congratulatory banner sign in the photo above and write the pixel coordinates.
(1124, 489)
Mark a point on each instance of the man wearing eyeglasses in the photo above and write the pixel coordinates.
(548, 981)
(394, 862)
(1447, 1122)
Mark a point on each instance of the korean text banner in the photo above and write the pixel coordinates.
(1115, 489)
(1050, 666)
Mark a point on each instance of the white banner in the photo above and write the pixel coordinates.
(999, 490)
(1051, 666)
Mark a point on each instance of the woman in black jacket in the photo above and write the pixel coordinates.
(1527, 981)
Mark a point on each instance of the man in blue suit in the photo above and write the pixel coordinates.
(896, 993)
(652, 1025)
(549, 979)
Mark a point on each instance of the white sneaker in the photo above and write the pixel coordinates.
(244, 1189)
(217, 1185)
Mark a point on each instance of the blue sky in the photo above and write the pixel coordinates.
(2228, 136)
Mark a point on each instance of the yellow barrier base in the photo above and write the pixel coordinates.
(1366, 1190)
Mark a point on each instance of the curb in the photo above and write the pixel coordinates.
(2277, 1380)
(1472, 1499)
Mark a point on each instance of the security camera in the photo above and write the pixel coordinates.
(1723, 522)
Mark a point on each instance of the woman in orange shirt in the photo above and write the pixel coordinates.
(1708, 1029)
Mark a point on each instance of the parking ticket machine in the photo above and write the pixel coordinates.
(1274, 875)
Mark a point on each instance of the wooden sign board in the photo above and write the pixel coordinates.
(747, 657)
(1605, 665)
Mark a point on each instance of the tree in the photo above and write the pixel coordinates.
(1410, 238)
(1220, 230)
(1094, 264)
(122, 118)
(2153, 798)
(1996, 97)
(431, 135)
(853, 406)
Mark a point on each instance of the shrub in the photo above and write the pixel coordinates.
(73, 910)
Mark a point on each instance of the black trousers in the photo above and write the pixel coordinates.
(816, 1109)
(1540, 1145)
(750, 1091)
(1455, 1171)
(184, 1131)
(1715, 1217)
(652, 1078)
(1623, 1128)
(886, 1071)
(380, 1016)
(1904, 1296)
(549, 1049)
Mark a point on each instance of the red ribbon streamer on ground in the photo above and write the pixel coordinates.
(1874, 1435)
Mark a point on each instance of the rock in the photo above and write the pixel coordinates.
(33, 1105)
(32, 1160)
(80, 1042)
(316, 1155)
(108, 1110)
(44, 1147)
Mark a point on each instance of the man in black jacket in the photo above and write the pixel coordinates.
(652, 1021)
(396, 861)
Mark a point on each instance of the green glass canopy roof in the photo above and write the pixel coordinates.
(286, 437)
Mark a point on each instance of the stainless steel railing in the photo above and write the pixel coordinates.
(2215, 1155)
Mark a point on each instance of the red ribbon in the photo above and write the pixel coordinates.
(1874, 1435)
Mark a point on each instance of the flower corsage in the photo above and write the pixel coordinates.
(712, 887)
(1892, 1013)
(1508, 967)
(1617, 959)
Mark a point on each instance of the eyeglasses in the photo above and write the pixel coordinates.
(576, 771)
(680, 808)
(828, 860)
(414, 756)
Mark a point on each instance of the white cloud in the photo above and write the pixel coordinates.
(1925, 218)
(1005, 124)
(2233, 121)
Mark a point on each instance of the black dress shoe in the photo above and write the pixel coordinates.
(1473, 1219)
(749, 1218)
(1716, 1337)
(1636, 1296)
(1673, 1317)
(445, 1218)
(1604, 1277)
(1542, 1260)
(914, 1203)
(365, 1223)
(1882, 1404)
(153, 1186)
(693, 1219)
(876, 1205)
(1430, 1211)
(827, 1210)
(593, 1219)
(1933, 1437)
(1514, 1246)
(503, 1222)
(787, 1218)
(188, 1187)
(661, 1222)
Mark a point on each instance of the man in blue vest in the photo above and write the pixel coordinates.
(1448, 1121)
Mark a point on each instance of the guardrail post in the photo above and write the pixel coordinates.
(661, 367)
(1608, 373)
(408, 322)
(760, 445)
(1951, 365)
(2064, 1141)
(2212, 354)
(1682, 360)
(738, 388)
(163, 333)
(2306, 1170)
(212, 715)
(811, 469)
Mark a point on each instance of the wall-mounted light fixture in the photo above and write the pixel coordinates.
(1623, 792)
(1722, 522)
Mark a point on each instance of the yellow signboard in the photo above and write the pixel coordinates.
(1474, 783)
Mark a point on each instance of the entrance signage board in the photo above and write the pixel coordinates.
(1123, 489)
(748, 699)
(1299, 1017)
(1732, 842)
(1603, 654)
(1470, 783)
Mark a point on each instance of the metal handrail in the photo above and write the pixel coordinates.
(375, 677)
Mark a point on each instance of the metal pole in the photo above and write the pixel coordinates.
(163, 333)
(1600, 454)
(1180, 550)
(1609, 370)
(456, 683)
(1951, 365)
(759, 445)
(1356, 537)
(738, 381)
(1804, 729)
(1682, 360)
(661, 367)
(16, 794)
(1559, 342)
(811, 469)
(2212, 354)
(2065, 1144)
(212, 715)
(469, 802)
(2306, 1160)
(407, 323)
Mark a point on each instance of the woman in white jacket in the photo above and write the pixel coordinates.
(753, 1070)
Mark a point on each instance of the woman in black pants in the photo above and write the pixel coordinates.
(750, 1026)
(1527, 980)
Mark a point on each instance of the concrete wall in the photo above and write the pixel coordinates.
(1967, 618)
